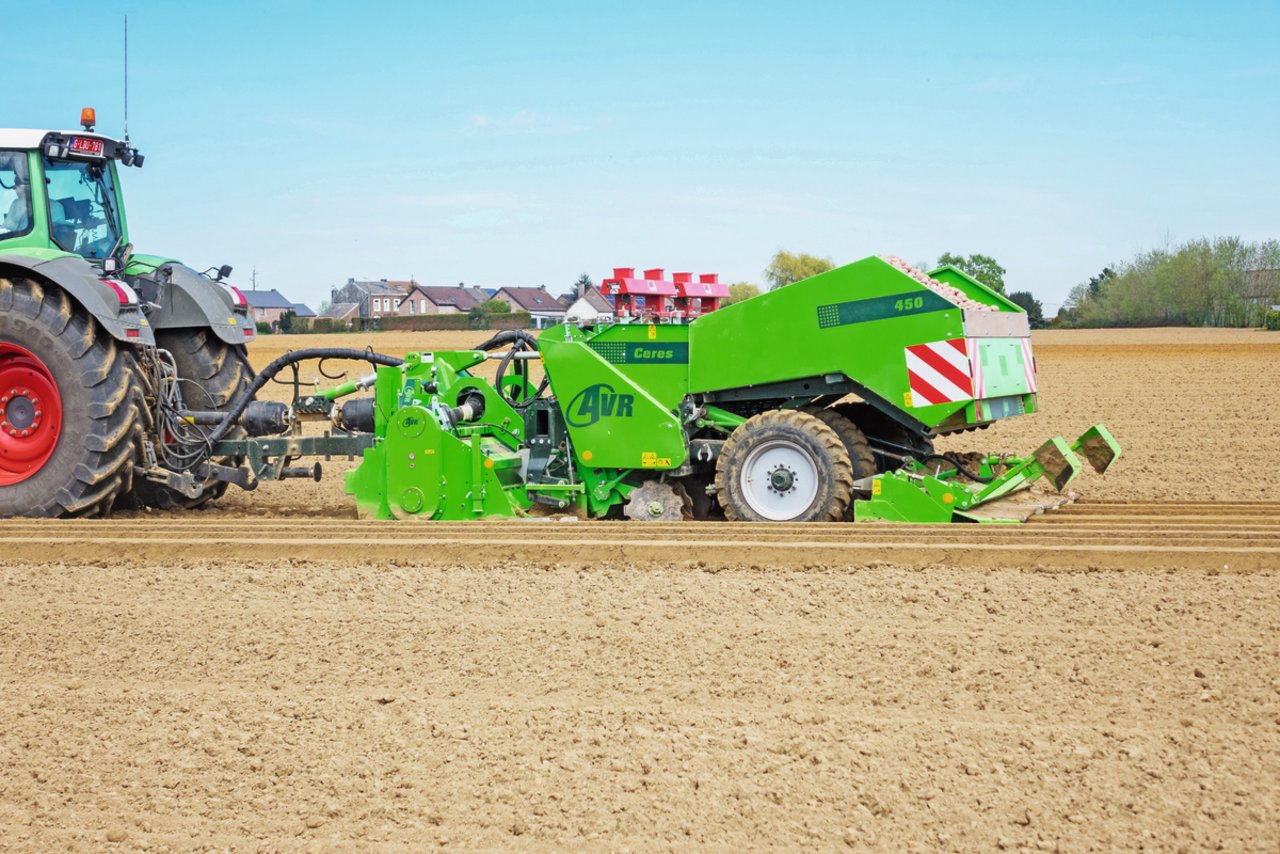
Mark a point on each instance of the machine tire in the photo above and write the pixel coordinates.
(88, 418)
(875, 424)
(808, 459)
(861, 457)
(214, 374)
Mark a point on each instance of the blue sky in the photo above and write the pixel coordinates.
(524, 143)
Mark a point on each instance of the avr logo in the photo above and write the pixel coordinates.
(598, 401)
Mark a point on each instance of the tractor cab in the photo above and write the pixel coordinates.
(59, 192)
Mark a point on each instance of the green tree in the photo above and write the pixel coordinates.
(984, 268)
(478, 317)
(740, 291)
(1097, 282)
(787, 268)
(1223, 281)
(581, 285)
(288, 320)
(1032, 306)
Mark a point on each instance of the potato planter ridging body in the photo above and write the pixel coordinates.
(816, 402)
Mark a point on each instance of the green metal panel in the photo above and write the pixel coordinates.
(419, 469)
(1002, 369)
(124, 218)
(619, 389)
(854, 320)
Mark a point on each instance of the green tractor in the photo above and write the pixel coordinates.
(95, 337)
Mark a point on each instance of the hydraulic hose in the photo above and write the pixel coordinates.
(506, 337)
(265, 376)
(948, 458)
(519, 340)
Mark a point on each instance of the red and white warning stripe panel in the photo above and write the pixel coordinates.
(1029, 364)
(939, 372)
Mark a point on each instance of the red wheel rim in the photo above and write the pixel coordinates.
(30, 414)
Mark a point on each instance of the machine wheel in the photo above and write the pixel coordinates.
(784, 465)
(659, 501)
(861, 457)
(69, 421)
(213, 374)
(876, 425)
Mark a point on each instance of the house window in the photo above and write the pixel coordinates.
(423, 302)
(397, 305)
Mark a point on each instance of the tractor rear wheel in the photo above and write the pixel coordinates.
(69, 422)
(212, 374)
(784, 465)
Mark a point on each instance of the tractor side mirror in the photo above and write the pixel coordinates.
(224, 272)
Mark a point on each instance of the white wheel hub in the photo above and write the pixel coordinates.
(779, 480)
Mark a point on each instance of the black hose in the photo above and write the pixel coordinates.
(948, 458)
(519, 341)
(506, 337)
(264, 377)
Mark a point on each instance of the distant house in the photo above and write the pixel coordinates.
(379, 298)
(541, 306)
(341, 312)
(479, 294)
(270, 306)
(591, 306)
(424, 299)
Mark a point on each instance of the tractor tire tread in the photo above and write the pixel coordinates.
(835, 489)
(100, 383)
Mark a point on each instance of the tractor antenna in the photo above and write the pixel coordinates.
(126, 78)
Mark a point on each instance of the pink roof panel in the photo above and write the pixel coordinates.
(643, 287)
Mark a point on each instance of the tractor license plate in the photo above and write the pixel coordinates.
(83, 145)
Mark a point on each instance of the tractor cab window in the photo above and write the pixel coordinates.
(82, 207)
(15, 194)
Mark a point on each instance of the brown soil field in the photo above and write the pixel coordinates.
(273, 674)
